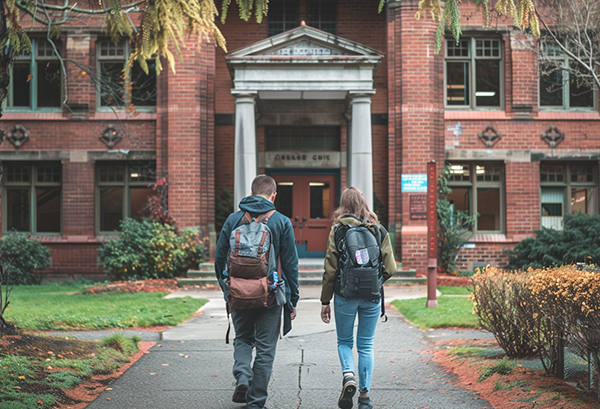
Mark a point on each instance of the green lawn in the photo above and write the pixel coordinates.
(56, 307)
(450, 312)
(452, 290)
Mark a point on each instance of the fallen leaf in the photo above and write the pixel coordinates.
(50, 353)
(21, 377)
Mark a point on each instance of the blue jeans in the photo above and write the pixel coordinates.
(345, 311)
(258, 329)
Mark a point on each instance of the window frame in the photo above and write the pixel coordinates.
(126, 185)
(474, 185)
(127, 50)
(472, 83)
(31, 185)
(33, 60)
(320, 15)
(569, 185)
(559, 55)
(286, 3)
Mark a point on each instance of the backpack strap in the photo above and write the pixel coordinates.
(246, 218)
(264, 218)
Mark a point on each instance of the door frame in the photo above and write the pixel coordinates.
(302, 252)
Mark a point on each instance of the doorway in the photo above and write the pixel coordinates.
(309, 201)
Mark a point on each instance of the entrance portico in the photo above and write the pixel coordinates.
(305, 65)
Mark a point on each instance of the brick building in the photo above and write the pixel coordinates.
(323, 94)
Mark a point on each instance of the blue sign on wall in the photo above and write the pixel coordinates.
(416, 182)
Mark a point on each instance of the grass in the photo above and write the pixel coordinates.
(502, 367)
(58, 307)
(450, 312)
(452, 290)
(28, 379)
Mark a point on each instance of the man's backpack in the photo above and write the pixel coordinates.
(360, 263)
(251, 262)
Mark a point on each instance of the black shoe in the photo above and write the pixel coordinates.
(365, 403)
(239, 395)
(348, 391)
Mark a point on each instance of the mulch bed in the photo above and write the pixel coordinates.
(148, 286)
(523, 388)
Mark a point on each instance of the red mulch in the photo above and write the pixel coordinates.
(527, 388)
(148, 286)
(89, 390)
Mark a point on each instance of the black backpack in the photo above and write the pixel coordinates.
(360, 262)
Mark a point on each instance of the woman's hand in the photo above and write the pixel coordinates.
(326, 313)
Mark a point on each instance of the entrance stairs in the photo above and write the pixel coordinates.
(310, 273)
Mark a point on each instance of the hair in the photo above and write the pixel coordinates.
(263, 185)
(353, 202)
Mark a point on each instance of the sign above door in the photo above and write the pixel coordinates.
(294, 159)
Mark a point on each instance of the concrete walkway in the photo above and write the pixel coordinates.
(190, 366)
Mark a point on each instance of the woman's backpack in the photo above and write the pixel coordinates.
(360, 263)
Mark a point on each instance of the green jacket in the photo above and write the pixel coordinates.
(333, 255)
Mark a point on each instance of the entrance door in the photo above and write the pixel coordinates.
(309, 201)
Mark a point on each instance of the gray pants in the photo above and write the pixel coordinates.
(255, 328)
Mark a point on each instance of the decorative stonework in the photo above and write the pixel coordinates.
(18, 136)
(553, 137)
(489, 136)
(110, 136)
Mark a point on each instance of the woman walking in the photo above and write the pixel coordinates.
(354, 211)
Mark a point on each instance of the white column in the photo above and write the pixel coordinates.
(245, 167)
(360, 146)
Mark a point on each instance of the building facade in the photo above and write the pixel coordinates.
(322, 95)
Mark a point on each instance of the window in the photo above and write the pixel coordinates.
(474, 73)
(479, 189)
(303, 139)
(36, 78)
(111, 65)
(123, 190)
(559, 86)
(566, 189)
(322, 14)
(31, 197)
(283, 16)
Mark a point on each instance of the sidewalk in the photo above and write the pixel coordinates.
(190, 367)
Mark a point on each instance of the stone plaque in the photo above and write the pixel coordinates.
(277, 159)
(418, 207)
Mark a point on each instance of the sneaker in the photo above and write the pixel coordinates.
(239, 395)
(348, 391)
(365, 403)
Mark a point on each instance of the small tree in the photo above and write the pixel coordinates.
(454, 225)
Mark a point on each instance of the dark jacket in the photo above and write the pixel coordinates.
(333, 256)
(284, 245)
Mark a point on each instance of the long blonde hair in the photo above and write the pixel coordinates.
(353, 202)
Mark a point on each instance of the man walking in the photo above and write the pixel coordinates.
(259, 327)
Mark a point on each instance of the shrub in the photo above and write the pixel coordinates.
(150, 249)
(570, 299)
(529, 312)
(21, 256)
(578, 242)
(496, 296)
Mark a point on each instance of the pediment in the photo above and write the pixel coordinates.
(304, 42)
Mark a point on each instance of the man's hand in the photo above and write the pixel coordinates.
(326, 313)
(293, 314)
